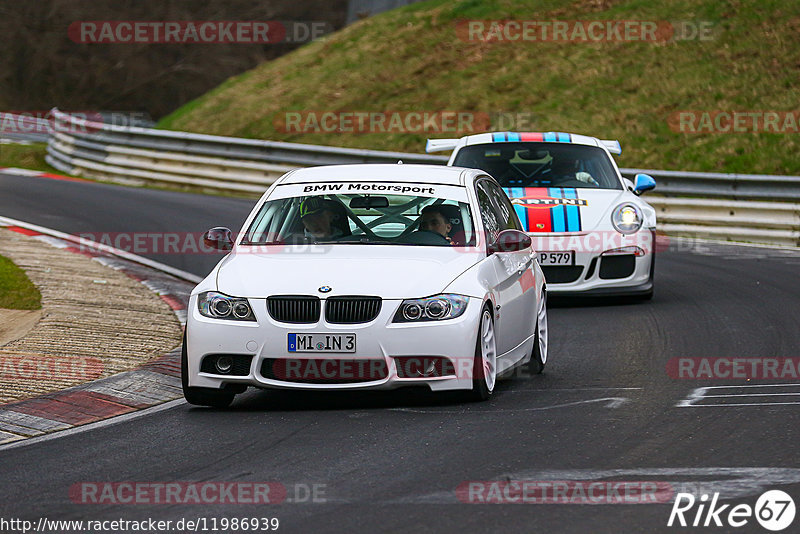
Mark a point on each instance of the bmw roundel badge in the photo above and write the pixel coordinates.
(325, 289)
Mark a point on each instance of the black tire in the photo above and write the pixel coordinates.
(649, 294)
(480, 391)
(216, 398)
(536, 365)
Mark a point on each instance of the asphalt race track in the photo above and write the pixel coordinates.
(605, 407)
(93, 208)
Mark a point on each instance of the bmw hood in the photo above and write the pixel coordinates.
(391, 272)
(556, 209)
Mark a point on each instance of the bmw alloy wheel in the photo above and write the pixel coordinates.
(488, 351)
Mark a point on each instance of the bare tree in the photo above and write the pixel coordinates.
(42, 67)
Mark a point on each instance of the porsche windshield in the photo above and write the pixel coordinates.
(362, 219)
(541, 164)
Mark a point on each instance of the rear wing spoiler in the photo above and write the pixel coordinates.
(440, 145)
(613, 146)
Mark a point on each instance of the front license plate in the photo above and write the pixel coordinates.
(557, 258)
(316, 342)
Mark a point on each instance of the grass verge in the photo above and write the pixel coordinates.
(17, 292)
(26, 157)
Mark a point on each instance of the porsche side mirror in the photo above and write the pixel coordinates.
(643, 183)
(218, 238)
(510, 241)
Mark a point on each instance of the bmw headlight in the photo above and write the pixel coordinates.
(220, 306)
(437, 308)
(627, 218)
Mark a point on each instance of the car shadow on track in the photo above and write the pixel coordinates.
(592, 302)
(256, 400)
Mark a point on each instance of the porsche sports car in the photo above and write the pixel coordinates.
(360, 277)
(593, 234)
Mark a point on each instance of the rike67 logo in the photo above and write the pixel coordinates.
(774, 510)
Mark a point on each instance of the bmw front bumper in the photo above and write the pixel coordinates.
(265, 341)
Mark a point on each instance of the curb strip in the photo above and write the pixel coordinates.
(155, 382)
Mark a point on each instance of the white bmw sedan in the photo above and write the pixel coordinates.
(359, 277)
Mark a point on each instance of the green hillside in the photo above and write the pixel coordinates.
(415, 59)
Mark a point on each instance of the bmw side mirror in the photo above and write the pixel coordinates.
(218, 238)
(643, 183)
(510, 241)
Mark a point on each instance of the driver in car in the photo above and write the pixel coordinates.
(565, 170)
(434, 219)
(318, 219)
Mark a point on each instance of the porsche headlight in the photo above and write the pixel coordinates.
(220, 306)
(436, 308)
(627, 218)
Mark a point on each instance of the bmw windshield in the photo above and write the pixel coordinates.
(541, 164)
(364, 218)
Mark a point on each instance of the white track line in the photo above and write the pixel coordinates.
(699, 394)
(728, 405)
(754, 386)
(611, 402)
(92, 426)
(748, 395)
(178, 273)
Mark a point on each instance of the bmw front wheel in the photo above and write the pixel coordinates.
(539, 355)
(484, 369)
(215, 398)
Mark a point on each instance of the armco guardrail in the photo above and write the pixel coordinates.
(224, 163)
(754, 208)
(718, 185)
(24, 128)
(31, 126)
(742, 207)
(776, 223)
